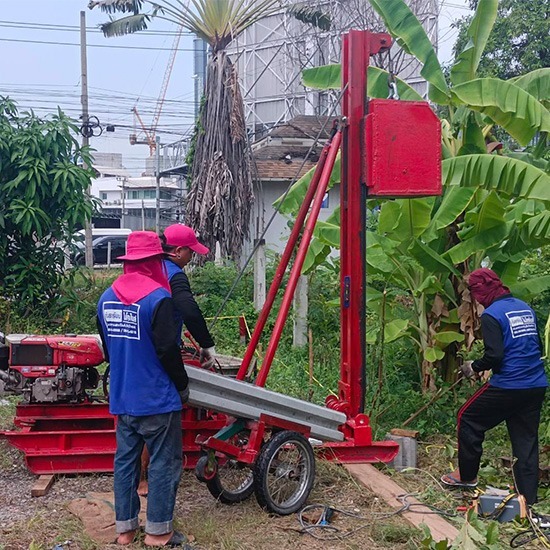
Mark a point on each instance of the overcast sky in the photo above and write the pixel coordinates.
(37, 73)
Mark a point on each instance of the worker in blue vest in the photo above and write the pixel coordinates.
(515, 392)
(179, 242)
(148, 386)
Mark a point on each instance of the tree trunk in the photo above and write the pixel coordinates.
(220, 198)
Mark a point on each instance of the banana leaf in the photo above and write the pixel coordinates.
(509, 176)
(465, 67)
(518, 112)
(329, 77)
(411, 36)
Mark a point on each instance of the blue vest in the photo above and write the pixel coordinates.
(173, 269)
(139, 385)
(522, 366)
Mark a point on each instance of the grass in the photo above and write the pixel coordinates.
(246, 526)
(7, 411)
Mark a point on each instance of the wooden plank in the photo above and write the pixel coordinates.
(405, 433)
(42, 485)
(387, 489)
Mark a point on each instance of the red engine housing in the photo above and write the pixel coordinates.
(39, 356)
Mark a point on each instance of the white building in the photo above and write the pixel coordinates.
(132, 200)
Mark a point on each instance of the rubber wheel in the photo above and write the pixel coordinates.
(284, 473)
(526, 536)
(203, 471)
(105, 379)
(233, 482)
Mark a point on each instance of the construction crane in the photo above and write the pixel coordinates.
(150, 132)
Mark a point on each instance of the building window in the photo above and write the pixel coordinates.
(103, 196)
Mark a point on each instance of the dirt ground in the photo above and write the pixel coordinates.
(43, 522)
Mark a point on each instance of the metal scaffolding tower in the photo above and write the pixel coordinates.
(271, 54)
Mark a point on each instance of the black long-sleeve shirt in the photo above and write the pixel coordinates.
(185, 303)
(164, 340)
(494, 346)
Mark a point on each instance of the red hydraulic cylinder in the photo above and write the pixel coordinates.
(285, 259)
(299, 261)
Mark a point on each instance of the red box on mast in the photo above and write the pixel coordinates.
(402, 156)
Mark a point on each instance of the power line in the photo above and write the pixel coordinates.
(94, 45)
(74, 28)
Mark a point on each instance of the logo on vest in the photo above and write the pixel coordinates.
(522, 323)
(121, 321)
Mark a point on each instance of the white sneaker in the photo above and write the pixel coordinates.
(541, 520)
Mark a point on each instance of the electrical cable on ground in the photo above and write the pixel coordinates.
(322, 524)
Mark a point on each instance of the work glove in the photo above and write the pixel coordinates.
(208, 357)
(467, 369)
(184, 395)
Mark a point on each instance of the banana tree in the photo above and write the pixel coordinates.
(220, 198)
(494, 208)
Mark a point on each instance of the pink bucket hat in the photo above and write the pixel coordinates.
(181, 235)
(141, 245)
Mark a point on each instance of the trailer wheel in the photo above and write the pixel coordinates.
(205, 470)
(233, 482)
(284, 472)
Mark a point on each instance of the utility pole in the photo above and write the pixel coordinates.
(85, 139)
(157, 175)
(123, 202)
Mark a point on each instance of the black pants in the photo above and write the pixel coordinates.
(487, 408)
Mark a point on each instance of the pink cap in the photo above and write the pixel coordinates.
(141, 245)
(181, 235)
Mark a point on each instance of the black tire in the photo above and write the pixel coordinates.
(286, 458)
(204, 471)
(233, 482)
(523, 538)
(105, 381)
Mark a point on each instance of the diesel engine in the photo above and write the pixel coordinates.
(50, 369)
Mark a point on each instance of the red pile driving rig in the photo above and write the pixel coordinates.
(240, 437)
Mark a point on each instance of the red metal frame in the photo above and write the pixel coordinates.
(283, 264)
(357, 47)
(80, 438)
(299, 261)
(247, 454)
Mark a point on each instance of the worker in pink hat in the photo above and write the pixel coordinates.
(180, 243)
(148, 386)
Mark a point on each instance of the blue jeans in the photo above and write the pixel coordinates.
(162, 435)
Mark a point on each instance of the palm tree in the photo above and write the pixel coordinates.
(220, 198)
